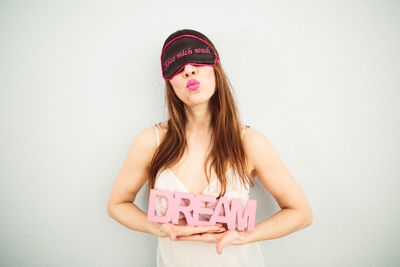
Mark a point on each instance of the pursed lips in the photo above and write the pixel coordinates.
(191, 82)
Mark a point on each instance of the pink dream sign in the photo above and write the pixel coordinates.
(233, 210)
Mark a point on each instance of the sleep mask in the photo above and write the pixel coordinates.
(186, 49)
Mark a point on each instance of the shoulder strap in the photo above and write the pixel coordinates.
(247, 126)
(158, 136)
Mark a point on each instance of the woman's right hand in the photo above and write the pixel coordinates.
(183, 229)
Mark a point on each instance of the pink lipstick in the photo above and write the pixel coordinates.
(193, 84)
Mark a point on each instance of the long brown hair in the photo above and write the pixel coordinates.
(227, 149)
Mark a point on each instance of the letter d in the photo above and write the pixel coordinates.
(152, 206)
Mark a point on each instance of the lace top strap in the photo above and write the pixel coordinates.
(158, 136)
(247, 126)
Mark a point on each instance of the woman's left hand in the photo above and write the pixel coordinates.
(228, 237)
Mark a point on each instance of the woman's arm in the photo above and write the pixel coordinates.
(295, 213)
(130, 179)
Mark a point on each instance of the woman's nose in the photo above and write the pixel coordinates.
(189, 70)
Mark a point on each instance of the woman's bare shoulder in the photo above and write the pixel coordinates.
(252, 138)
(146, 139)
(257, 144)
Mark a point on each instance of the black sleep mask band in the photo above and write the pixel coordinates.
(183, 50)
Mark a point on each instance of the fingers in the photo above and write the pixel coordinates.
(172, 233)
(220, 245)
(203, 229)
(206, 237)
(181, 229)
(197, 237)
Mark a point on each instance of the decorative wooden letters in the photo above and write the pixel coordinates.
(233, 210)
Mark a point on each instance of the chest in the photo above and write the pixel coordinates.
(192, 176)
(190, 168)
(190, 172)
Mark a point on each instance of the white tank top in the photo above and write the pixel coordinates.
(198, 253)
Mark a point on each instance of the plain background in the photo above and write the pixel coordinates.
(79, 80)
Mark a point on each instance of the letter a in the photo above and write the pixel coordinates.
(222, 219)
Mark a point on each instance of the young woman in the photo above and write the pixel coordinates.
(204, 149)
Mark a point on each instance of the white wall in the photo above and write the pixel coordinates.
(79, 79)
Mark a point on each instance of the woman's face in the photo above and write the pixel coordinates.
(203, 74)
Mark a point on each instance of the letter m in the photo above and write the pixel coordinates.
(248, 216)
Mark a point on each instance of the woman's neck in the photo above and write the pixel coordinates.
(198, 119)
